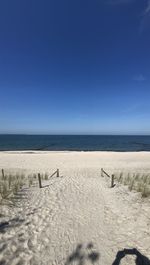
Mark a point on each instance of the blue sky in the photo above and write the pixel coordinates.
(75, 67)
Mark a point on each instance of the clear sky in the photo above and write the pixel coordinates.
(75, 67)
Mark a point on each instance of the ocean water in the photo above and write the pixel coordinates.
(74, 142)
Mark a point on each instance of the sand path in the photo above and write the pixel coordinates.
(74, 219)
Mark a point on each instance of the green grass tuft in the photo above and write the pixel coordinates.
(135, 181)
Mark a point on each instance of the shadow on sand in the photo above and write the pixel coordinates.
(83, 254)
(139, 258)
(10, 224)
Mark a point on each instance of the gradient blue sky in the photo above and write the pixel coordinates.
(75, 67)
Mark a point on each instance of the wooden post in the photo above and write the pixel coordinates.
(57, 173)
(39, 179)
(112, 180)
(101, 172)
(3, 175)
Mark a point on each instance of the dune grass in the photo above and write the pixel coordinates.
(11, 183)
(139, 182)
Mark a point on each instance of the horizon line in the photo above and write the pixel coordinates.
(46, 134)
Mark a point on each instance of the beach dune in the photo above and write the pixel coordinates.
(76, 218)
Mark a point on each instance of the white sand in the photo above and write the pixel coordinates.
(77, 208)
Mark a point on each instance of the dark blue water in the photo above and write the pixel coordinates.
(74, 142)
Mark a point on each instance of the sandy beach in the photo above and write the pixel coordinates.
(76, 218)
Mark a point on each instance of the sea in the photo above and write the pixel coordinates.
(123, 143)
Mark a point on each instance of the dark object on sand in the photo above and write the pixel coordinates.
(140, 259)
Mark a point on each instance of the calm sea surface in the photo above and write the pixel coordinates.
(74, 142)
